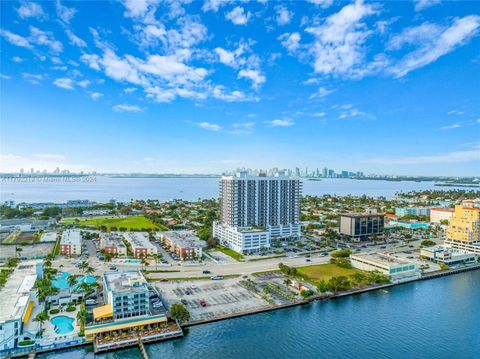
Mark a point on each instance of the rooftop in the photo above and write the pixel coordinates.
(361, 215)
(71, 236)
(247, 176)
(128, 281)
(16, 291)
(184, 238)
(138, 239)
(112, 239)
(380, 258)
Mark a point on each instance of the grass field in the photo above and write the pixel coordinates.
(132, 222)
(230, 252)
(316, 273)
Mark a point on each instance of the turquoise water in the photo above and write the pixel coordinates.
(61, 281)
(437, 318)
(136, 261)
(63, 324)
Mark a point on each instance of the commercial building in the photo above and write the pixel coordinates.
(447, 256)
(437, 215)
(19, 297)
(185, 244)
(361, 226)
(257, 209)
(140, 244)
(128, 315)
(71, 242)
(408, 224)
(415, 211)
(463, 231)
(24, 224)
(398, 269)
(113, 243)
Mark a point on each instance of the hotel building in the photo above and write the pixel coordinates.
(360, 226)
(71, 242)
(441, 214)
(463, 231)
(140, 244)
(257, 209)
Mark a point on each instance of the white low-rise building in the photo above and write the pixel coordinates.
(140, 244)
(18, 300)
(449, 256)
(399, 270)
(113, 243)
(71, 242)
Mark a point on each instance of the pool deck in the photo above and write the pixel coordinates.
(50, 328)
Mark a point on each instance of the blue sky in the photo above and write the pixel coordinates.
(207, 86)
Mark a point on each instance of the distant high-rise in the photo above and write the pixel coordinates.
(255, 209)
(325, 172)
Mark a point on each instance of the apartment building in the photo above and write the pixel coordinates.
(416, 211)
(257, 209)
(463, 231)
(71, 242)
(397, 269)
(361, 226)
(113, 243)
(437, 215)
(185, 244)
(140, 244)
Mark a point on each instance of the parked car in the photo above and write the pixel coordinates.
(184, 301)
(206, 272)
(308, 260)
(112, 268)
(90, 302)
(203, 303)
(217, 277)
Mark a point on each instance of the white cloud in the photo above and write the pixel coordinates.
(433, 43)
(83, 83)
(64, 13)
(219, 93)
(74, 39)
(450, 127)
(322, 92)
(95, 95)
(139, 8)
(238, 16)
(338, 47)
(127, 108)
(242, 128)
(423, 4)
(44, 38)
(17, 59)
(225, 57)
(322, 3)
(284, 16)
(285, 122)
(290, 41)
(130, 89)
(15, 39)
(64, 83)
(33, 78)
(30, 9)
(213, 5)
(5, 77)
(455, 112)
(209, 126)
(255, 76)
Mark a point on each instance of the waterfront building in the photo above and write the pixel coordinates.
(19, 297)
(448, 256)
(185, 244)
(415, 211)
(127, 316)
(113, 243)
(361, 226)
(399, 270)
(437, 215)
(463, 231)
(140, 244)
(256, 209)
(71, 242)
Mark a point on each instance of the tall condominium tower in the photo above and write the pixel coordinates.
(256, 209)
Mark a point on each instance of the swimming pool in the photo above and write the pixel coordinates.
(62, 324)
(61, 281)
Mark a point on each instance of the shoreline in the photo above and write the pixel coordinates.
(270, 308)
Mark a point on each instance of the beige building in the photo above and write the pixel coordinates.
(113, 243)
(463, 231)
(441, 214)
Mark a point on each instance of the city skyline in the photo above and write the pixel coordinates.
(178, 87)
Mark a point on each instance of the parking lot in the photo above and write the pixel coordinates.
(221, 297)
(29, 251)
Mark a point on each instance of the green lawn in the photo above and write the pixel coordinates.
(316, 273)
(230, 252)
(132, 222)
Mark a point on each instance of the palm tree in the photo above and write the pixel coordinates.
(72, 280)
(83, 266)
(18, 250)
